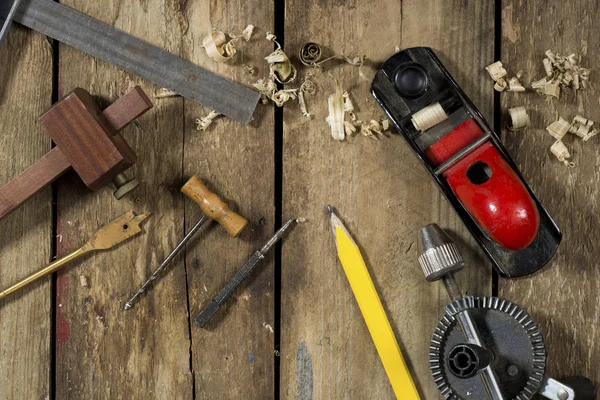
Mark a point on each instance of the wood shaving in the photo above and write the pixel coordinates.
(335, 103)
(371, 129)
(280, 66)
(219, 48)
(429, 116)
(496, 71)
(518, 118)
(302, 104)
(558, 129)
(280, 97)
(514, 85)
(310, 54)
(83, 281)
(164, 93)
(500, 85)
(205, 122)
(583, 128)
(308, 86)
(562, 153)
(349, 128)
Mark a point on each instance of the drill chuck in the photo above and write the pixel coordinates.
(438, 254)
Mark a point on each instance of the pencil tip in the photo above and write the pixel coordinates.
(330, 209)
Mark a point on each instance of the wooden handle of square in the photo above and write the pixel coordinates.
(213, 207)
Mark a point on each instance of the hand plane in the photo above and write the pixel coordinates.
(468, 162)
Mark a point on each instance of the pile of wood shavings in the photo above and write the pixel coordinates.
(580, 127)
(561, 72)
(341, 105)
(498, 74)
(281, 70)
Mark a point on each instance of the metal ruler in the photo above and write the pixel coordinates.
(132, 55)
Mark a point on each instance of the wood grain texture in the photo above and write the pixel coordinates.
(232, 356)
(101, 350)
(563, 297)
(381, 192)
(42, 173)
(25, 92)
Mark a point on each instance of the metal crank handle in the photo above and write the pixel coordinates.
(555, 390)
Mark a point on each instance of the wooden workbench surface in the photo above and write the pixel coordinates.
(294, 330)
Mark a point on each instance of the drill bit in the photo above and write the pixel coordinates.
(211, 308)
(164, 264)
(110, 235)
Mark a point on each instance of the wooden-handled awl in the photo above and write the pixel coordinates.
(121, 229)
(213, 208)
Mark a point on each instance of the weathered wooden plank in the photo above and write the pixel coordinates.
(103, 351)
(380, 190)
(562, 298)
(232, 356)
(25, 93)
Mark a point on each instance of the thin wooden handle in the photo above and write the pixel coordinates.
(213, 207)
(45, 171)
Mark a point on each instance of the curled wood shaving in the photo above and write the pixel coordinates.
(280, 97)
(500, 85)
(514, 85)
(561, 152)
(429, 116)
(496, 71)
(280, 66)
(583, 128)
(310, 53)
(204, 122)
(335, 103)
(558, 129)
(518, 118)
(302, 104)
(164, 93)
(349, 128)
(307, 87)
(371, 129)
(219, 48)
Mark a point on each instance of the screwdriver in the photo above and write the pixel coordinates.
(213, 208)
(240, 276)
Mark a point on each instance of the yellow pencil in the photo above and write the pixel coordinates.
(372, 311)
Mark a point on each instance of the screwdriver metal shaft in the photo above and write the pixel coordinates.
(240, 276)
(166, 262)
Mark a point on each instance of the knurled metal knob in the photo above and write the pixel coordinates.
(124, 185)
(438, 254)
